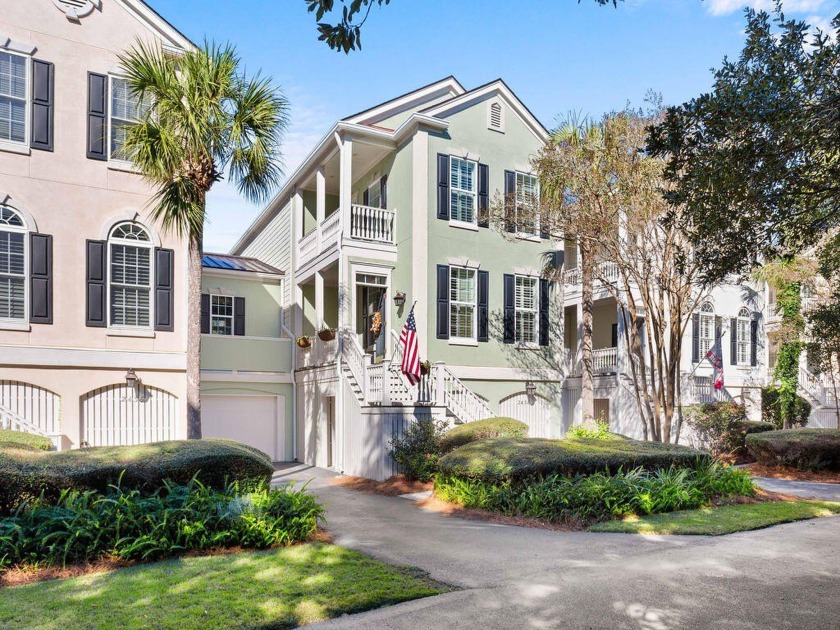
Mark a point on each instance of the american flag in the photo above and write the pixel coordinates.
(410, 352)
(715, 357)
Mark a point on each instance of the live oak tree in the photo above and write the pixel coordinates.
(754, 164)
(345, 35)
(205, 118)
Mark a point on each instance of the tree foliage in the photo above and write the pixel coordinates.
(346, 34)
(755, 163)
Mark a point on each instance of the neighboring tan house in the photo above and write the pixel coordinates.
(90, 287)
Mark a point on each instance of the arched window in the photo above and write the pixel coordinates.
(707, 328)
(130, 276)
(743, 336)
(13, 267)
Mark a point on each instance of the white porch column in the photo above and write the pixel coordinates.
(319, 299)
(345, 183)
(320, 195)
(297, 234)
(419, 289)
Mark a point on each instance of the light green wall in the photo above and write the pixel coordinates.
(309, 323)
(395, 121)
(310, 208)
(331, 306)
(262, 300)
(258, 389)
(246, 354)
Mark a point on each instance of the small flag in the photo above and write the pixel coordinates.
(410, 351)
(715, 357)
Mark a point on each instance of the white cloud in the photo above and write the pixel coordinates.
(725, 7)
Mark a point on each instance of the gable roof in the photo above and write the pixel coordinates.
(155, 22)
(500, 89)
(410, 101)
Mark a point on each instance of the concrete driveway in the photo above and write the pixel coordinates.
(511, 577)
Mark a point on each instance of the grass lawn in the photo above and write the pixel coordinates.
(279, 588)
(721, 520)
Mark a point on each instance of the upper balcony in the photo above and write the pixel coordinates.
(365, 225)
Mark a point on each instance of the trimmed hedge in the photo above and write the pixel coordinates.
(806, 449)
(771, 412)
(27, 474)
(517, 458)
(10, 438)
(482, 430)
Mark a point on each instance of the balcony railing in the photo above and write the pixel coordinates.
(367, 225)
(609, 272)
(604, 360)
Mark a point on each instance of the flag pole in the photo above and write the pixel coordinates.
(700, 362)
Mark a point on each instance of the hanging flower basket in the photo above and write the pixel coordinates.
(425, 368)
(303, 342)
(326, 334)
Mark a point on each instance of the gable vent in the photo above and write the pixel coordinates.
(74, 9)
(495, 117)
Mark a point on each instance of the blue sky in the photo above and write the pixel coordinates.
(557, 55)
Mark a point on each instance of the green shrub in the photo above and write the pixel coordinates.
(482, 430)
(806, 449)
(29, 474)
(418, 451)
(722, 427)
(135, 525)
(599, 431)
(598, 496)
(9, 437)
(771, 408)
(515, 458)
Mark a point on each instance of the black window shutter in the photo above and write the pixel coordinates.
(754, 339)
(510, 201)
(483, 305)
(366, 197)
(239, 316)
(43, 105)
(733, 341)
(614, 336)
(383, 191)
(164, 279)
(545, 317)
(40, 280)
(205, 313)
(442, 302)
(443, 186)
(509, 325)
(97, 142)
(483, 196)
(695, 338)
(96, 312)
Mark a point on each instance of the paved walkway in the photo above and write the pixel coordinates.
(805, 489)
(511, 577)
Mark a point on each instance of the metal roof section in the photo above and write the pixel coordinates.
(228, 262)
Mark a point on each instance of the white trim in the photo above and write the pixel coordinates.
(8, 324)
(501, 105)
(413, 99)
(463, 262)
(476, 373)
(7, 43)
(232, 315)
(526, 271)
(464, 154)
(6, 200)
(462, 341)
(43, 356)
(238, 376)
(22, 146)
(463, 191)
(154, 22)
(14, 147)
(130, 216)
(23, 323)
(241, 274)
(454, 339)
(73, 13)
(119, 331)
(122, 329)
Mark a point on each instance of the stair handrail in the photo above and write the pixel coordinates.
(813, 384)
(354, 358)
(11, 420)
(460, 399)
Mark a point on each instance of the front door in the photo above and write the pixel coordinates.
(370, 294)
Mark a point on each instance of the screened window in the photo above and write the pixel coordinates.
(12, 266)
(463, 186)
(221, 315)
(707, 328)
(744, 337)
(130, 251)
(462, 303)
(527, 221)
(126, 108)
(527, 308)
(13, 91)
(374, 195)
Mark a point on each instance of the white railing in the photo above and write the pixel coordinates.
(604, 360)
(816, 386)
(701, 389)
(318, 354)
(572, 276)
(323, 237)
(609, 272)
(355, 359)
(457, 397)
(10, 420)
(371, 224)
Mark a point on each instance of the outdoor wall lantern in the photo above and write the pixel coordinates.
(131, 379)
(399, 299)
(531, 389)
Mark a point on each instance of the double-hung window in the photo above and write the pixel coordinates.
(126, 109)
(374, 195)
(14, 78)
(707, 329)
(463, 190)
(743, 337)
(130, 274)
(526, 310)
(221, 315)
(462, 303)
(12, 266)
(527, 221)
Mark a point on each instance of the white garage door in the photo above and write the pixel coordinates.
(533, 411)
(254, 420)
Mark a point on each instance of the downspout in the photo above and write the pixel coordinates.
(294, 389)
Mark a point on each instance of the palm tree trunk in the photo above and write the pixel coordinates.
(194, 339)
(587, 391)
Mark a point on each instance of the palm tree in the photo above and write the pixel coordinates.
(204, 118)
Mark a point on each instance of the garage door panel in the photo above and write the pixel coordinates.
(253, 420)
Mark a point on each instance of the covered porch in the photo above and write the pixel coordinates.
(605, 337)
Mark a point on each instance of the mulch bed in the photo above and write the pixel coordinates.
(793, 474)
(393, 487)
